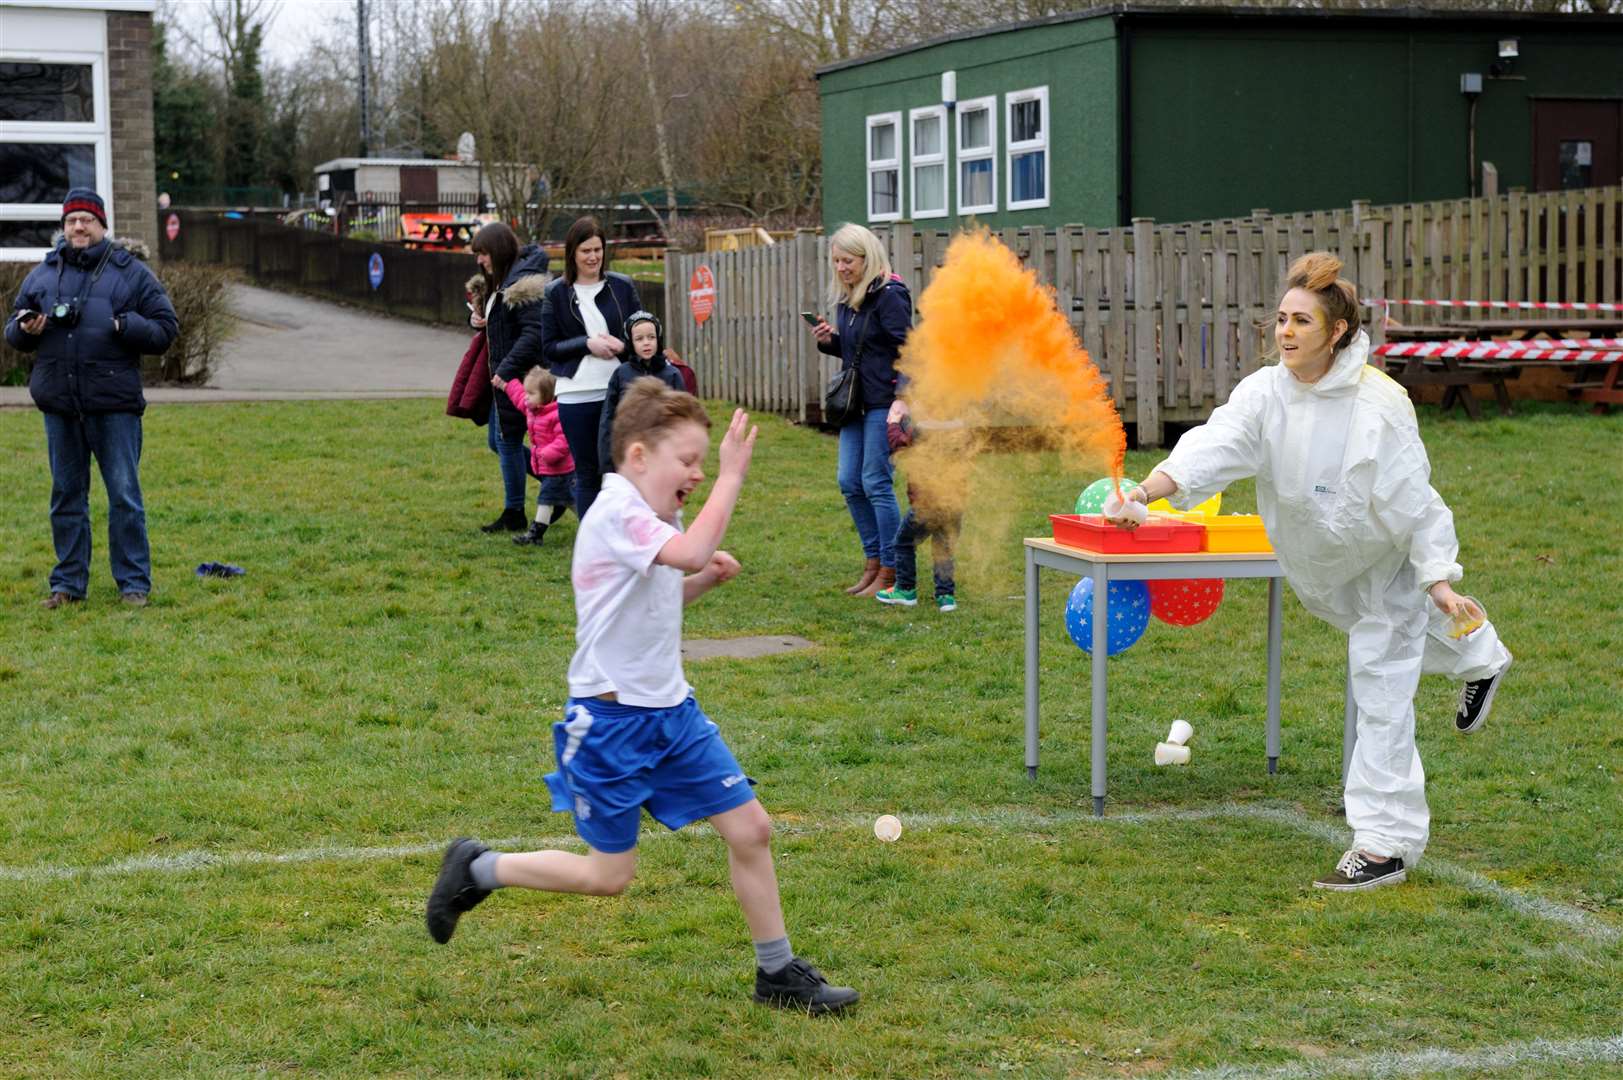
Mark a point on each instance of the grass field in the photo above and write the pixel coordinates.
(222, 814)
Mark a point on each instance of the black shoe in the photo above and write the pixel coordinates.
(1356, 872)
(801, 986)
(454, 890)
(532, 535)
(1475, 701)
(510, 521)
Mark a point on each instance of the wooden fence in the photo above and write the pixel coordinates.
(1208, 287)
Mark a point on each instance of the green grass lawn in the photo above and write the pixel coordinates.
(222, 814)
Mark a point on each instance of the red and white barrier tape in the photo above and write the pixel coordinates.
(1511, 305)
(1591, 349)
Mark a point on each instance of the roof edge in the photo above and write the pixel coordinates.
(1139, 12)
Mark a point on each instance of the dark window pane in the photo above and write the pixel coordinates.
(1026, 177)
(1577, 163)
(43, 172)
(1026, 121)
(27, 234)
(48, 93)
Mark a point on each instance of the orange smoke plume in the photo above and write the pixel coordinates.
(992, 350)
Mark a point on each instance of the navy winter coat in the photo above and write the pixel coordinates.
(871, 339)
(563, 332)
(628, 372)
(514, 330)
(91, 367)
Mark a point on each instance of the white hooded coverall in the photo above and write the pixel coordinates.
(1344, 489)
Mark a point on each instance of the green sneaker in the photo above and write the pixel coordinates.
(893, 595)
(946, 603)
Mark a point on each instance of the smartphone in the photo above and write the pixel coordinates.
(25, 314)
(811, 317)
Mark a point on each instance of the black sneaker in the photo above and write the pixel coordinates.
(510, 521)
(801, 986)
(454, 890)
(1475, 701)
(1355, 871)
(532, 536)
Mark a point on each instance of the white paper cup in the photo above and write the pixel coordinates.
(887, 827)
(1168, 754)
(1181, 732)
(1115, 506)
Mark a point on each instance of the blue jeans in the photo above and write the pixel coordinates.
(941, 535)
(865, 481)
(114, 440)
(580, 422)
(514, 459)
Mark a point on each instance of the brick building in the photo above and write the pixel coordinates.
(75, 111)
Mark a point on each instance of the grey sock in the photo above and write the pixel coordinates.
(773, 956)
(543, 514)
(483, 869)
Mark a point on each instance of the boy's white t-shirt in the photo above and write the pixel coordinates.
(591, 380)
(628, 610)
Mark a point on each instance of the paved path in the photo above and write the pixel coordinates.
(287, 347)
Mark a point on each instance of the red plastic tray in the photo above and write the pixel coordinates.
(1160, 534)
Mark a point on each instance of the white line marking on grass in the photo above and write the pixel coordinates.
(1534, 907)
(1606, 1048)
(185, 861)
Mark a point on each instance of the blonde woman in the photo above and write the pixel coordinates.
(873, 313)
(1367, 544)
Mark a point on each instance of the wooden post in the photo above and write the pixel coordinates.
(1147, 408)
(1490, 180)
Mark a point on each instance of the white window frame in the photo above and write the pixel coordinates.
(1014, 149)
(985, 153)
(937, 160)
(885, 164)
(79, 132)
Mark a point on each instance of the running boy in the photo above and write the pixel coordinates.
(632, 735)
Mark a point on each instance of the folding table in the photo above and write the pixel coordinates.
(1104, 568)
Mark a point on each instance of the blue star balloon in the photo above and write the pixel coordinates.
(1128, 614)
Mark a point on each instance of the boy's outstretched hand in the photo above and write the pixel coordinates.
(736, 447)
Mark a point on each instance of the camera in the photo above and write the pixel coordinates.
(65, 313)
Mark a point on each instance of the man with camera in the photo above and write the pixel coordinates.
(91, 310)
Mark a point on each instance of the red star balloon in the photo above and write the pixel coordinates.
(1186, 601)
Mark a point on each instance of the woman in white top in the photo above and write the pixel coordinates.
(582, 339)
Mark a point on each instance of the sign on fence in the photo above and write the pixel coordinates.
(171, 227)
(374, 270)
(702, 294)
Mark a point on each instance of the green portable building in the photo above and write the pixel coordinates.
(1195, 113)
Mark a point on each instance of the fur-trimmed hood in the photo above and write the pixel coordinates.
(527, 281)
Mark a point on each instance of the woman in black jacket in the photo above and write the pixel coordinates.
(873, 313)
(583, 335)
(516, 280)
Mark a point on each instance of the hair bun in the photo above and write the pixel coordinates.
(1315, 271)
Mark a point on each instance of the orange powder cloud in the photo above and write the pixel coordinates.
(992, 350)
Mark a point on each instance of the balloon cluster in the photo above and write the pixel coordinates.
(1183, 602)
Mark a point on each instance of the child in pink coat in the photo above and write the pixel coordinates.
(550, 461)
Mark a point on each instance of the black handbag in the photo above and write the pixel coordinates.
(842, 397)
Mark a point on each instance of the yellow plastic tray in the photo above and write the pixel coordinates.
(1236, 532)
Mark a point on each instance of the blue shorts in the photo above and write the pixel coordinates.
(615, 759)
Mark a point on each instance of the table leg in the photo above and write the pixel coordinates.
(1349, 730)
(1101, 628)
(1031, 662)
(1275, 631)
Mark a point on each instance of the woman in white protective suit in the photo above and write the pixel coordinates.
(1344, 488)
